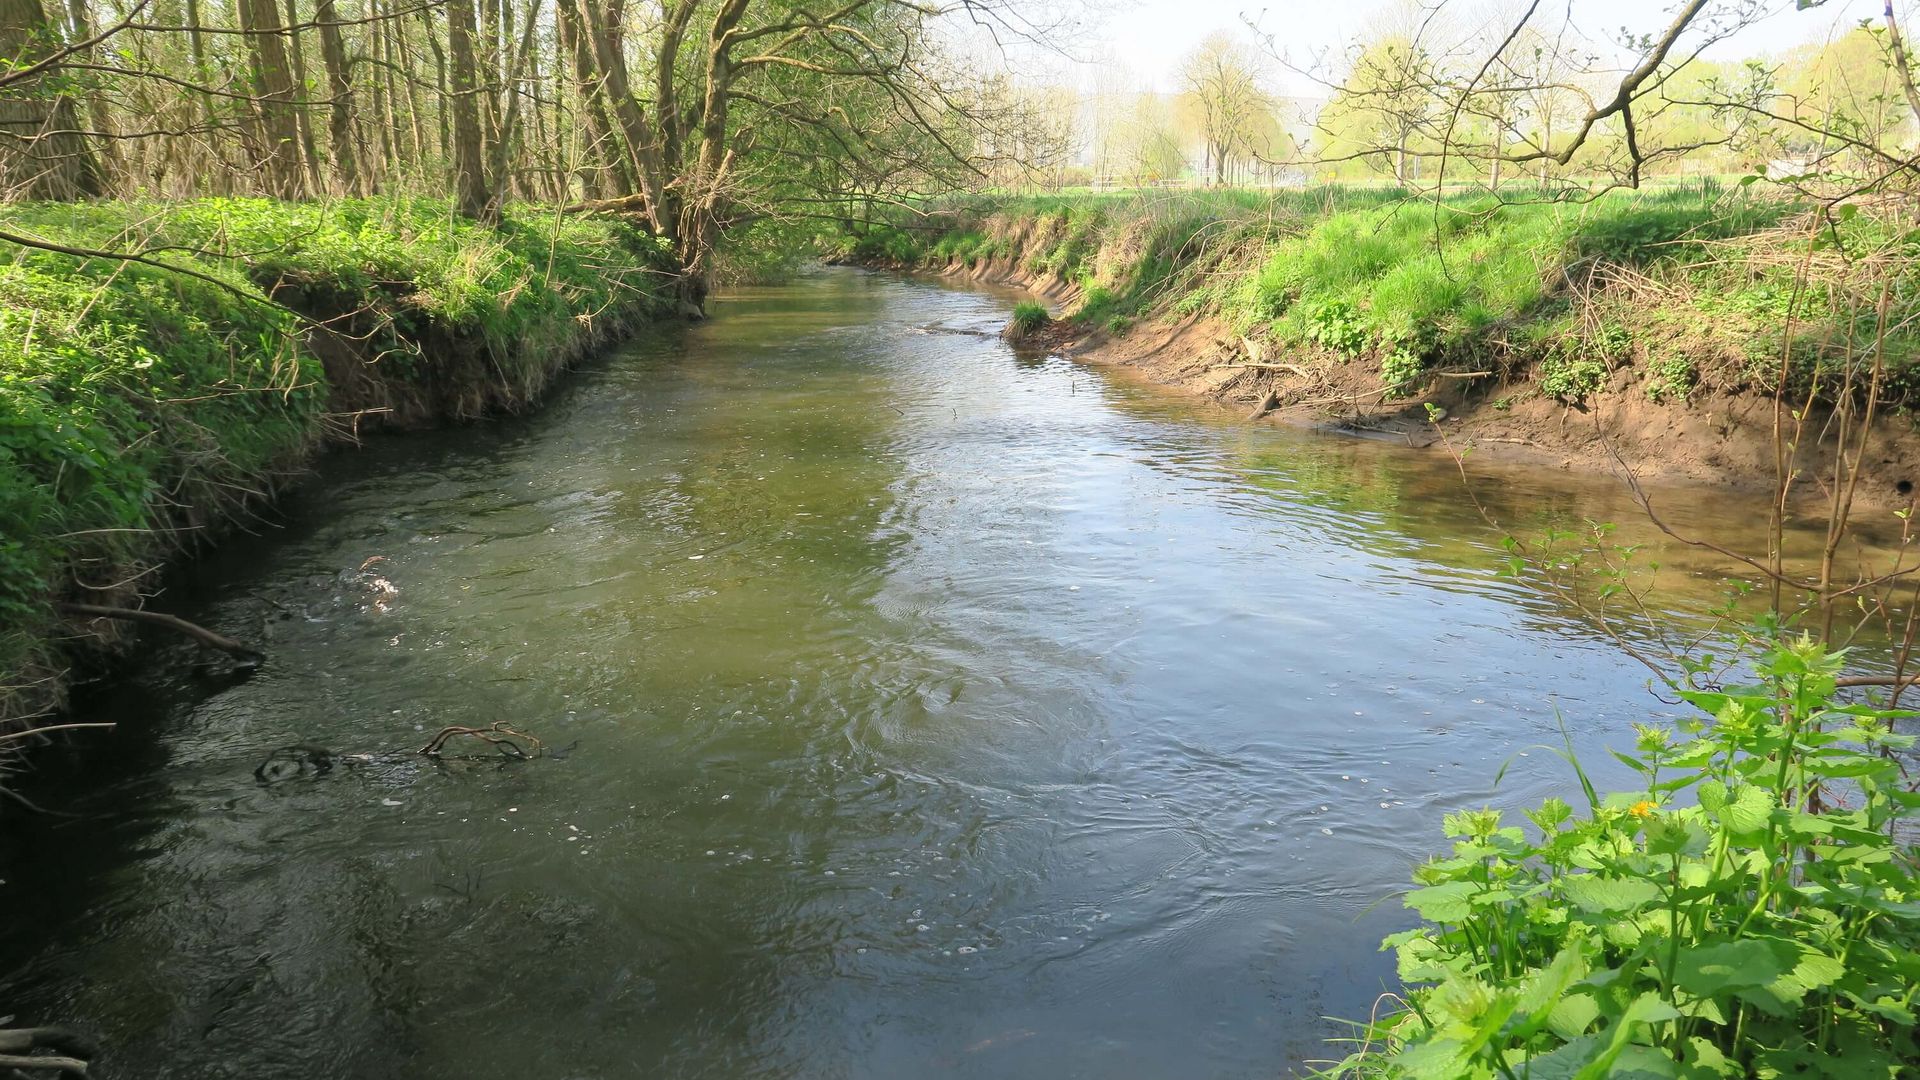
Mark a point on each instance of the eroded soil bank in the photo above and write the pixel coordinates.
(1649, 335)
(1716, 438)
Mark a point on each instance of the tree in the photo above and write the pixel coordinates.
(43, 152)
(1221, 81)
(276, 122)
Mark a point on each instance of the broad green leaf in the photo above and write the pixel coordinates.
(1713, 796)
(1573, 1015)
(1646, 1009)
(1566, 1062)
(1590, 892)
(1544, 988)
(1450, 902)
(1747, 811)
(1707, 970)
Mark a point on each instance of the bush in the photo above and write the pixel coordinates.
(1768, 929)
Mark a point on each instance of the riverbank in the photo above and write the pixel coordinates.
(1651, 328)
(147, 408)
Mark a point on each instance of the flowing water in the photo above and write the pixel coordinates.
(928, 710)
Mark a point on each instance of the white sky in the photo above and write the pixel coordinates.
(1149, 37)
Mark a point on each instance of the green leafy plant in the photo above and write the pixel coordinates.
(1571, 377)
(1400, 371)
(1574, 369)
(1752, 909)
(1095, 301)
(1335, 325)
(1672, 378)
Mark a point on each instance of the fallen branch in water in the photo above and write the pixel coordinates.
(70, 1050)
(501, 734)
(172, 622)
(1267, 405)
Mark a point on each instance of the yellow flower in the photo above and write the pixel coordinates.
(1643, 809)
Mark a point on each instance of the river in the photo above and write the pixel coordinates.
(933, 710)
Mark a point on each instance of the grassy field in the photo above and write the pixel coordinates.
(141, 407)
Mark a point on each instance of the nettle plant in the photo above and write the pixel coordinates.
(1753, 909)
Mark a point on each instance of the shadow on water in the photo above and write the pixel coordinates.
(938, 712)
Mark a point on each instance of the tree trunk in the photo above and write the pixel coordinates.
(601, 157)
(96, 100)
(602, 27)
(333, 52)
(310, 154)
(469, 167)
(43, 154)
(499, 175)
(279, 152)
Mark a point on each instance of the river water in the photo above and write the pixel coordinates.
(933, 710)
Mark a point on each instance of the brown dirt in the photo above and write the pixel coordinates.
(1714, 438)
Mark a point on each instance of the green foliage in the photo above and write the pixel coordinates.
(1577, 366)
(1095, 302)
(136, 402)
(1472, 280)
(1571, 376)
(964, 246)
(1333, 325)
(1029, 317)
(886, 244)
(1750, 910)
(1400, 372)
(1673, 378)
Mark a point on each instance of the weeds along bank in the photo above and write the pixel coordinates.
(143, 407)
(1663, 319)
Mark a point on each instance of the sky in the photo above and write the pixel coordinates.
(1149, 37)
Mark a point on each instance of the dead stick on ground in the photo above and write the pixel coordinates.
(1294, 368)
(171, 622)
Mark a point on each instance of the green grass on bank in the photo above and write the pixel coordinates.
(139, 407)
(1690, 282)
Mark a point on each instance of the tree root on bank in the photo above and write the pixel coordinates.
(66, 1051)
(172, 622)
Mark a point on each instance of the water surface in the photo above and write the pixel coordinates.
(934, 711)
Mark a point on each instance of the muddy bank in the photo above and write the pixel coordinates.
(1712, 437)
